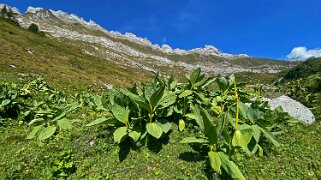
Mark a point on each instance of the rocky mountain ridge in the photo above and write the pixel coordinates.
(128, 50)
(72, 18)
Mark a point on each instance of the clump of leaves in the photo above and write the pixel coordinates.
(139, 113)
(64, 165)
(307, 90)
(9, 103)
(48, 114)
(38, 104)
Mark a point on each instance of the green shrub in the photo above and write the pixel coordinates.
(35, 29)
(304, 69)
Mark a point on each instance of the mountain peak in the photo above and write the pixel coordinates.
(34, 10)
(14, 10)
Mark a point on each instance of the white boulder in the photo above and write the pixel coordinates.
(293, 108)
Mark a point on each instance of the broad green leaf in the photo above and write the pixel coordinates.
(170, 111)
(68, 109)
(149, 89)
(210, 129)
(222, 83)
(36, 120)
(215, 161)
(5, 102)
(137, 99)
(64, 124)
(194, 76)
(134, 135)
(230, 167)
(167, 99)
(254, 115)
(190, 116)
(72, 107)
(269, 136)
(34, 132)
(256, 132)
(196, 116)
(102, 120)
(156, 96)
(181, 125)
(279, 109)
(208, 82)
(200, 82)
(154, 129)
(47, 132)
(256, 148)
(179, 107)
(231, 119)
(185, 93)
(204, 100)
(173, 82)
(277, 133)
(243, 109)
(60, 116)
(222, 122)
(194, 140)
(26, 113)
(165, 125)
(231, 80)
(144, 105)
(120, 113)
(119, 134)
(109, 97)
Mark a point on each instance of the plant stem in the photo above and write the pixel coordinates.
(150, 117)
(236, 97)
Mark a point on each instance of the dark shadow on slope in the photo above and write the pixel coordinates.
(156, 145)
(124, 149)
(191, 156)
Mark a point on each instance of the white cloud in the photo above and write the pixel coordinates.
(302, 53)
(164, 40)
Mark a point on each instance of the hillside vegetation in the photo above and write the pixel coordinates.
(309, 67)
(60, 63)
(304, 84)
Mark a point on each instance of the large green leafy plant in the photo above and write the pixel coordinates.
(219, 150)
(192, 92)
(229, 124)
(139, 113)
(227, 118)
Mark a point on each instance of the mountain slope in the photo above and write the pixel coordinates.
(25, 52)
(129, 55)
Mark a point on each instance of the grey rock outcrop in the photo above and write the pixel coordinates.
(293, 107)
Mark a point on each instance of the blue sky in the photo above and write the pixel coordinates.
(260, 28)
